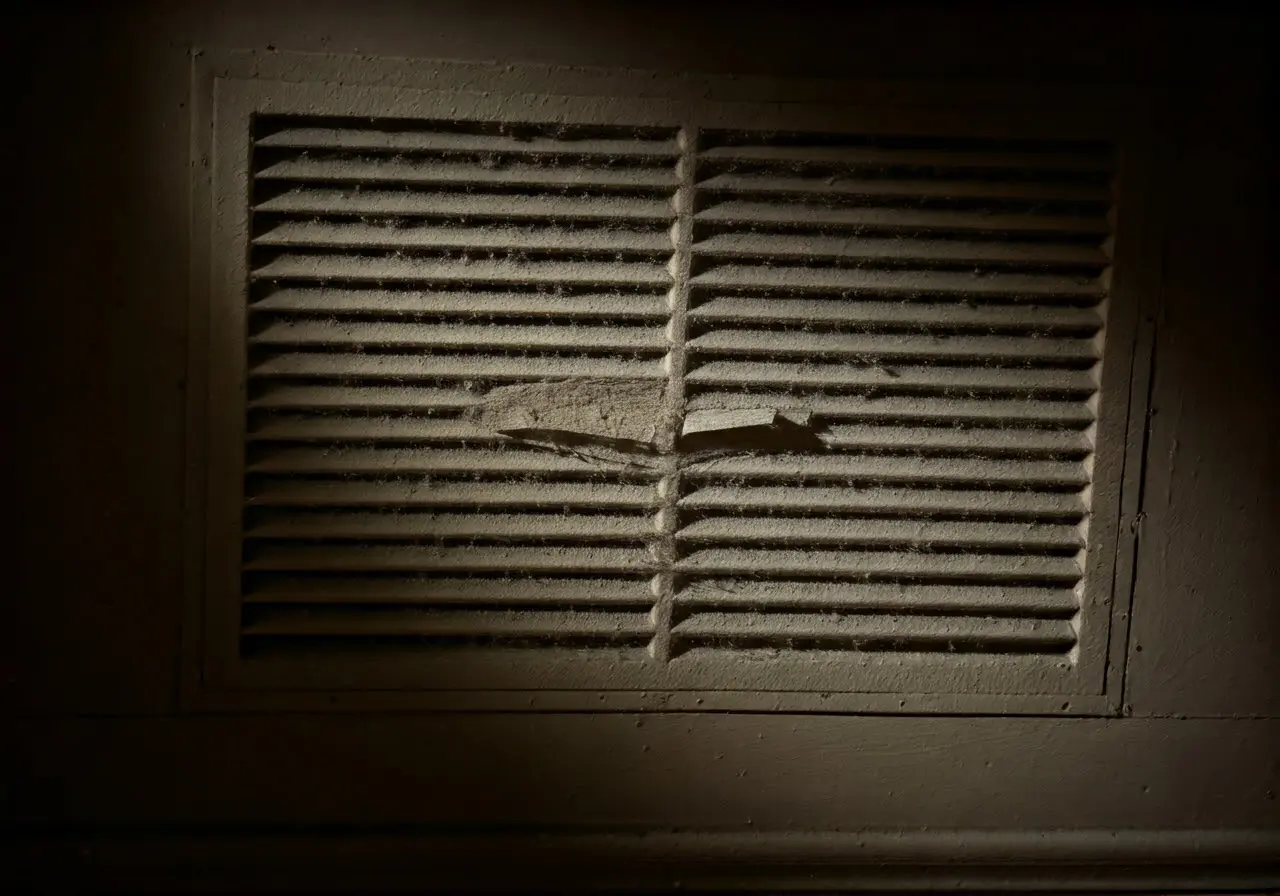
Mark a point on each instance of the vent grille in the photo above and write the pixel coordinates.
(399, 272)
(938, 306)
(932, 309)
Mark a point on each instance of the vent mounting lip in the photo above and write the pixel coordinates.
(715, 361)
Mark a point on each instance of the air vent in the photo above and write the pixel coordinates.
(401, 271)
(938, 306)
(631, 397)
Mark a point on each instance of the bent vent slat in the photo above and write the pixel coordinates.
(941, 411)
(425, 461)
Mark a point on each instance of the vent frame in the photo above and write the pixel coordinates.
(217, 676)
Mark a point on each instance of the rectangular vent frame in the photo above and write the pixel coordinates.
(878, 622)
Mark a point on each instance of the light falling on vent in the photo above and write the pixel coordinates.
(399, 272)
(938, 305)
(931, 309)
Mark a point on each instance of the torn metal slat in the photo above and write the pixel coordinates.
(545, 624)
(969, 568)
(893, 347)
(509, 527)
(426, 141)
(395, 203)
(461, 174)
(331, 558)
(498, 590)
(381, 494)
(941, 599)
(562, 241)
(918, 502)
(461, 336)
(879, 631)
(360, 269)
(803, 531)
(946, 317)
(445, 367)
(827, 185)
(468, 303)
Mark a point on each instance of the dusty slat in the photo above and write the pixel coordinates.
(534, 624)
(902, 283)
(395, 203)
(470, 367)
(544, 495)
(1086, 160)
(412, 429)
(880, 631)
(463, 304)
(783, 185)
(953, 439)
(331, 558)
(906, 315)
(801, 531)
(434, 462)
(453, 336)
(356, 139)
(975, 380)
(885, 502)
(906, 409)
(472, 239)
(894, 347)
(898, 219)
(814, 247)
(487, 590)
(424, 270)
(525, 527)
(455, 174)
(1005, 601)
(910, 565)
(352, 398)
(852, 469)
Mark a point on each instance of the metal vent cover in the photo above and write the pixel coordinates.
(935, 308)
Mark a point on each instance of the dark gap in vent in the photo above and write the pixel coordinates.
(681, 645)
(833, 171)
(703, 292)
(254, 543)
(259, 353)
(905, 545)
(704, 230)
(496, 159)
(331, 646)
(690, 515)
(820, 480)
(688, 607)
(922, 328)
(264, 255)
(801, 202)
(870, 360)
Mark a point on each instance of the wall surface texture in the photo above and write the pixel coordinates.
(102, 761)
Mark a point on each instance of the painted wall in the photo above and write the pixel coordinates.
(97, 160)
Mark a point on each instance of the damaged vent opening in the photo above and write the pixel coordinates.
(669, 396)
